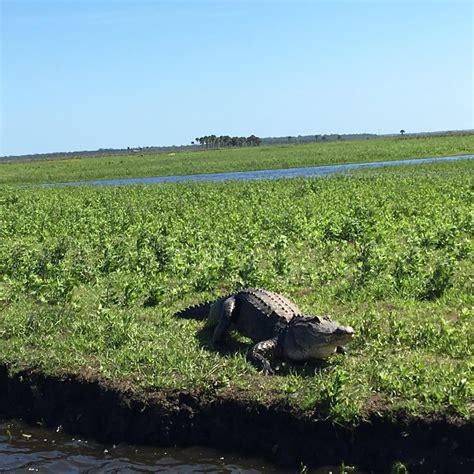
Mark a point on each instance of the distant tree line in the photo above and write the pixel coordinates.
(230, 141)
(317, 138)
(213, 141)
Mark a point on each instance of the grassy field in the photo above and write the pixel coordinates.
(91, 278)
(239, 159)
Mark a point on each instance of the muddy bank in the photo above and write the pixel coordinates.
(288, 437)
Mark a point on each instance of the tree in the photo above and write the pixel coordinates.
(213, 141)
(253, 140)
(402, 132)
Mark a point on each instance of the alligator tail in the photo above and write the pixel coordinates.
(198, 311)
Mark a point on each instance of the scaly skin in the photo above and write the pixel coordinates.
(275, 324)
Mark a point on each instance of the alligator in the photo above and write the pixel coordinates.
(275, 324)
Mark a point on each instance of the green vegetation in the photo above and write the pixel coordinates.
(91, 278)
(237, 159)
(399, 468)
(223, 141)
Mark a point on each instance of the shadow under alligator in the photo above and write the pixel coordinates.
(233, 345)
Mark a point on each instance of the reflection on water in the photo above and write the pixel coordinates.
(34, 449)
(25, 448)
(305, 172)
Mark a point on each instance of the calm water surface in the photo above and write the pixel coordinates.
(25, 448)
(306, 172)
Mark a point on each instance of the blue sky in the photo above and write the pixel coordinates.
(85, 74)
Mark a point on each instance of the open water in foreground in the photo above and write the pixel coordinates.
(25, 448)
(306, 172)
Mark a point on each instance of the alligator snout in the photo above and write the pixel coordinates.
(345, 332)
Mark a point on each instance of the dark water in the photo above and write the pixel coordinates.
(25, 448)
(311, 171)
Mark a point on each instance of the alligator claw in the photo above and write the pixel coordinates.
(267, 371)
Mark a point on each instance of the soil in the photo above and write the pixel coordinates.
(87, 406)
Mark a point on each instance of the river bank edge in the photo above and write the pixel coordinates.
(93, 408)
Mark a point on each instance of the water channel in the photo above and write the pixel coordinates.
(305, 172)
(25, 448)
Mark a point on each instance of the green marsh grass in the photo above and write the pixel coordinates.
(237, 159)
(90, 279)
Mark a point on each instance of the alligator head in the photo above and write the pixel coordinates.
(307, 337)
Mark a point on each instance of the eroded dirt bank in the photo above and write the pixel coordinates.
(288, 437)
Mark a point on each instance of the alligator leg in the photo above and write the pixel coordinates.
(260, 353)
(225, 318)
(341, 350)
